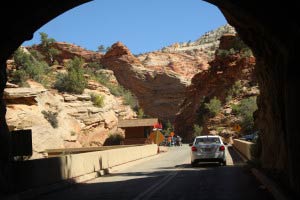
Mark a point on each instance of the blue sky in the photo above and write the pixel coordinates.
(141, 25)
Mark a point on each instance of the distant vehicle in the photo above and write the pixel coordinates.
(251, 137)
(208, 148)
(178, 141)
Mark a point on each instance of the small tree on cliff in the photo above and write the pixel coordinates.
(74, 81)
(46, 44)
(168, 128)
(27, 67)
(101, 48)
(197, 130)
(213, 106)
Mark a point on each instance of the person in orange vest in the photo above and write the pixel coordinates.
(169, 140)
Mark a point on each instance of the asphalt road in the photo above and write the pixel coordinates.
(170, 176)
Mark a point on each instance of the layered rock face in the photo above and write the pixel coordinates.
(215, 82)
(159, 92)
(185, 63)
(69, 51)
(79, 122)
(207, 43)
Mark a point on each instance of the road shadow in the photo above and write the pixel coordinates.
(209, 184)
(200, 165)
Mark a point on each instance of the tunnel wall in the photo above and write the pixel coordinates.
(274, 39)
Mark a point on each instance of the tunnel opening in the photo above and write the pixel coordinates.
(276, 58)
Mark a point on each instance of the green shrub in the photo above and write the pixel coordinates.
(168, 128)
(219, 129)
(228, 98)
(236, 89)
(46, 44)
(73, 133)
(103, 79)
(197, 130)
(95, 65)
(98, 100)
(238, 44)
(223, 53)
(19, 77)
(51, 117)
(213, 106)
(235, 109)
(29, 67)
(140, 113)
(245, 111)
(101, 48)
(37, 55)
(116, 90)
(114, 139)
(246, 53)
(74, 81)
(130, 99)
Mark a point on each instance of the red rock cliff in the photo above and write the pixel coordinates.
(215, 82)
(159, 93)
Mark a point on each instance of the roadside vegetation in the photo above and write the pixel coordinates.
(197, 130)
(28, 67)
(213, 106)
(221, 116)
(167, 128)
(244, 110)
(98, 100)
(74, 81)
(114, 139)
(36, 63)
(46, 45)
(239, 47)
(51, 117)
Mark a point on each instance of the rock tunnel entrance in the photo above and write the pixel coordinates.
(275, 50)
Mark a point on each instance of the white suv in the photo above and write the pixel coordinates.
(208, 148)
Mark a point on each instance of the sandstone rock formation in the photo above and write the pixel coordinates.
(69, 51)
(185, 63)
(215, 82)
(80, 123)
(159, 92)
(207, 43)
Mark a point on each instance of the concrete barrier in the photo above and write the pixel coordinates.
(244, 147)
(41, 172)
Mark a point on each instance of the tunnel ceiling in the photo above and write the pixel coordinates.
(20, 19)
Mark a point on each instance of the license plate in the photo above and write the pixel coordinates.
(207, 149)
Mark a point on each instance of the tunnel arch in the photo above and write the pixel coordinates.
(274, 39)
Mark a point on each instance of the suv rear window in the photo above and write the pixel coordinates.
(208, 140)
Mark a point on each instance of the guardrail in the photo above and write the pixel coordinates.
(67, 151)
(244, 147)
(40, 172)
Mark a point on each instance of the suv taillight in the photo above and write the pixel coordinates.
(222, 148)
(194, 148)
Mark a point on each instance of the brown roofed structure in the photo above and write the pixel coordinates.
(137, 122)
